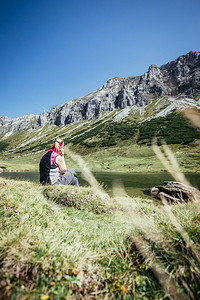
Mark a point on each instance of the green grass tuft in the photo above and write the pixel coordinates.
(80, 198)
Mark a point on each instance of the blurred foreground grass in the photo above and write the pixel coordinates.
(67, 243)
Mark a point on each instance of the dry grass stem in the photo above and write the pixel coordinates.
(169, 162)
(193, 116)
(123, 200)
(172, 167)
(165, 279)
(183, 233)
(87, 174)
(118, 189)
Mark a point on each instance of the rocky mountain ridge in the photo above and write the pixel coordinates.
(16, 124)
(179, 78)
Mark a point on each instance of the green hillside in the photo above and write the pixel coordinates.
(173, 128)
(108, 144)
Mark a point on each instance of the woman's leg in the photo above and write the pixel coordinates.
(69, 178)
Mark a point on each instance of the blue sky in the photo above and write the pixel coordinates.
(52, 51)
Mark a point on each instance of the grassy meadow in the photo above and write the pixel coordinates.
(124, 158)
(69, 243)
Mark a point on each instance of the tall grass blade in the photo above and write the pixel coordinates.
(193, 116)
(87, 174)
(169, 162)
(183, 233)
(165, 279)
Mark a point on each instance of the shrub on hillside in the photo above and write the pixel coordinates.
(108, 134)
(173, 128)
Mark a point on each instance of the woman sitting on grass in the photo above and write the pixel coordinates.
(53, 169)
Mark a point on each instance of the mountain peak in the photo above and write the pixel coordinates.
(153, 67)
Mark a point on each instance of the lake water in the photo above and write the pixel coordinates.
(135, 184)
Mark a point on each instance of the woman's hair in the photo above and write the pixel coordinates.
(56, 144)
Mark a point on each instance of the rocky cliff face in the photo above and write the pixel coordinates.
(15, 124)
(177, 78)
